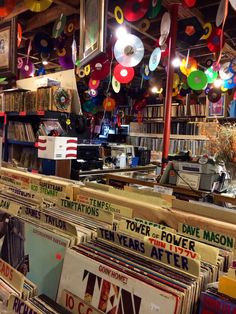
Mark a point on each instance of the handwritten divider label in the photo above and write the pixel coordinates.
(17, 305)
(47, 219)
(86, 210)
(46, 192)
(10, 275)
(158, 254)
(9, 207)
(75, 304)
(23, 193)
(104, 205)
(207, 253)
(154, 224)
(52, 184)
(217, 239)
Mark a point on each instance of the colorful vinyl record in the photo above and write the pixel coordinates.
(208, 63)
(165, 28)
(224, 72)
(69, 28)
(43, 43)
(87, 69)
(189, 3)
(155, 59)
(59, 26)
(27, 69)
(7, 7)
(93, 84)
(175, 92)
(220, 13)
(135, 10)
(214, 95)
(61, 52)
(88, 106)
(176, 80)
(184, 90)
(93, 92)
(145, 72)
(20, 63)
(19, 34)
(213, 42)
(100, 67)
(232, 66)
(188, 66)
(207, 89)
(66, 62)
(80, 72)
(154, 9)
(233, 4)
(144, 25)
(119, 15)
(197, 80)
(190, 30)
(109, 104)
(216, 66)
(211, 75)
(139, 105)
(123, 74)
(207, 30)
(37, 5)
(115, 84)
(230, 83)
(129, 51)
(62, 99)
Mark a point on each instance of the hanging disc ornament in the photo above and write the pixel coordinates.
(220, 13)
(37, 5)
(197, 80)
(66, 62)
(93, 93)
(207, 31)
(224, 72)
(88, 106)
(6, 7)
(27, 69)
(209, 63)
(62, 99)
(59, 26)
(144, 25)
(69, 28)
(123, 74)
(93, 84)
(233, 4)
(188, 66)
(43, 42)
(19, 34)
(230, 83)
(213, 42)
(119, 15)
(139, 105)
(100, 67)
(61, 52)
(211, 75)
(165, 28)
(135, 10)
(20, 63)
(80, 72)
(155, 59)
(109, 104)
(214, 95)
(189, 3)
(154, 9)
(145, 72)
(87, 69)
(129, 51)
(115, 85)
(176, 80)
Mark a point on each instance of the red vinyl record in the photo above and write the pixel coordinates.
(213, 43)
(189, 3)
(7, 8)
(134, 10)
(123, 74)
(100, 67)
(93, 84)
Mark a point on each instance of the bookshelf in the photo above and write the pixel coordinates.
(172, 136)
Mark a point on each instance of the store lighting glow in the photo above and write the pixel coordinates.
(218, 83)
(45, 62)
(155, 90)
(176, 62)
(121, 32)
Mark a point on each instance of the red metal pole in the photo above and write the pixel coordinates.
(169, 84)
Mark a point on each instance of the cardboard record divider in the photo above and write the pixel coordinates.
(135, 10)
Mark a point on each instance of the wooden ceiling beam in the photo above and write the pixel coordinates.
(186, 13)
(38, 20)
(67, 5)
(19, 9)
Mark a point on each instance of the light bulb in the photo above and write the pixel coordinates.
(121, 32)
(176, 62)
(45, 62)
(218, 83)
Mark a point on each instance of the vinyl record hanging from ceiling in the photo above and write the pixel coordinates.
(38, 5)
(7, 7)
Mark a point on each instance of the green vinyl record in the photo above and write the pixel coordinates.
(154, 9)
(197, 80)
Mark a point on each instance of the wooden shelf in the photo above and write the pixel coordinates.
(172, 136)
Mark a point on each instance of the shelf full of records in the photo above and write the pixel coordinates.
(127, 263)
(20, 131)
(181, 128)
(197, 147)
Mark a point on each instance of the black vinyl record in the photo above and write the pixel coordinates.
(43, 42)
(190, 30)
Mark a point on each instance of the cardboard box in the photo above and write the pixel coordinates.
(47, 82)
(57, 148)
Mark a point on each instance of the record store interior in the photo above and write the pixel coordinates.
(117, 157)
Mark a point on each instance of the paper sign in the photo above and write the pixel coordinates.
(188, 179)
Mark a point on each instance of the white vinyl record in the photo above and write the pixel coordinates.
(155, 59)
(220, 13)
(165, 28)
(224, 72)
(115, 85)
(233, 4)
(129, 51)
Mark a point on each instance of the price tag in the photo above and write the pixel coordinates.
(40, 113)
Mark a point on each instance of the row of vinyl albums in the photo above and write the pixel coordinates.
(94, 249)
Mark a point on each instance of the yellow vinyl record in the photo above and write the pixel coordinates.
(187, 67)
(61, 52)
(207, 30)
(87, 69)
(144, 25)
(176, 80)
(119, 15)
(115, 85)
(37, 5)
